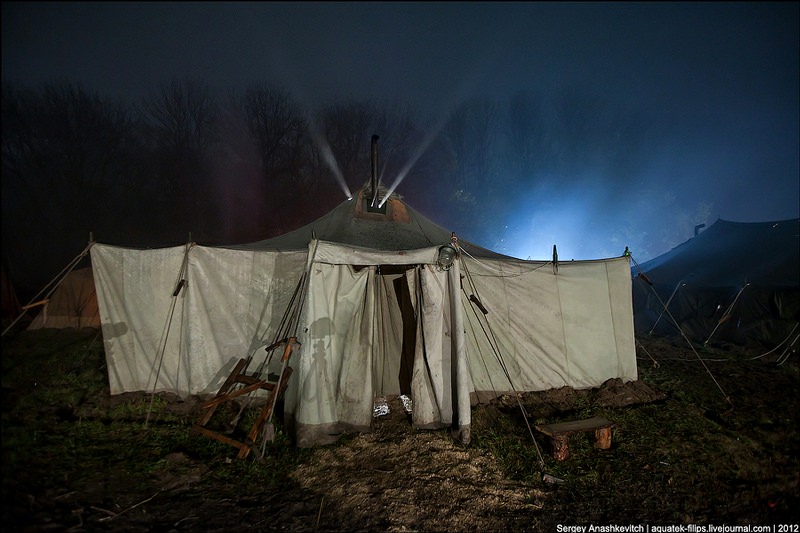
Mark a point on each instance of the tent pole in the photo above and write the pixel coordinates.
(665, 307)
(492, 338)
(726, 315)
(691, 346)
(175, 293)
(781, 344)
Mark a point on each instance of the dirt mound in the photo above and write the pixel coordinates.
(615, 393)
(399, 478)
(550, 403)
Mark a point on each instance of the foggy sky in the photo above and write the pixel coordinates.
(718, 82)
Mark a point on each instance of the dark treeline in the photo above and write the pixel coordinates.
(253, 164)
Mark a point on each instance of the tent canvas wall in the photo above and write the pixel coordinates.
(751, 269)
(379, 317)
(73, 303)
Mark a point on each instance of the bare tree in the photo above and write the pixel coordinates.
(471, 135)
(63, 135)
(67, 157)
(470, 142)
(181, 118)
(18, 132)
(348, 128)
(525, 137)
(587, 133)
(181, 125)
(400, 139)
(278, 129)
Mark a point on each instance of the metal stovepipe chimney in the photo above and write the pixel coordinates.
(374, 175)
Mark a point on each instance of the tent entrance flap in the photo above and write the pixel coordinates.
(409, 338)
(394, 332)
(386, 329)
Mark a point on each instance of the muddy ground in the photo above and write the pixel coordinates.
(712, 442)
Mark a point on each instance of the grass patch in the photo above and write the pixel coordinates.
(691, 458)
(69, 446)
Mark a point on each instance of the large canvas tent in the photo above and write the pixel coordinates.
(73, 303)
(378, 314)
(734, 282)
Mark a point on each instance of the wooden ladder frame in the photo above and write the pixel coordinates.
(251, 383)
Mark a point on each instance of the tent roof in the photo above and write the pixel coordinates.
(728, 254)
(401, 227)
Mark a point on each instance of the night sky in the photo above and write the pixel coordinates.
(715, 84)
